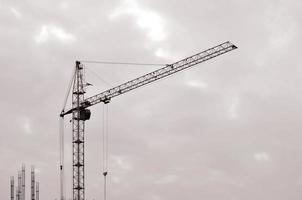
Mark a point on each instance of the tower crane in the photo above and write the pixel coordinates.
(80, 112)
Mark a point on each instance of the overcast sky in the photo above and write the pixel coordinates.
(227, 129)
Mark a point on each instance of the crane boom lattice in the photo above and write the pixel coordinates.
(160, 73)
(80, 113)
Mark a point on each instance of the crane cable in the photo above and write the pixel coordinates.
(99, 77)
(105, 142)
(68, 90)
(61, 139)
(121, 63)
(62, 176)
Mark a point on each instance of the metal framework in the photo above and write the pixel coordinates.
(18, 187)
(23, 182)
(32, 185)
(80, 113)
(19, 191)
(37, 190)
(12, 188)
(78, 135)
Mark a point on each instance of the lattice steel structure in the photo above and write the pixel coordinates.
(80, 113)
(23, 182)
(18, 189)
(160, 73)
(12, 188)
(32, 183)
(78, 126)
(37, 191)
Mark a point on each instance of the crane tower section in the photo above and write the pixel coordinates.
(79, 115)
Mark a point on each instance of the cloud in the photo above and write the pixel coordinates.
(148, 20)
(48, 32)
(281, 26)
(232, 110)
(220, 176)
(64, 6)
(16, 13)
(38, 170)
(170, 178)
(262, 157)
(163, 53)
(27, 127)
(121, 163)
(197, 84)
(155, 197)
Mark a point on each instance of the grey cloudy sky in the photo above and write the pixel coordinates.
(227, 129)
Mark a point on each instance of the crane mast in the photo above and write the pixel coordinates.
(78, 125)
(80, 113)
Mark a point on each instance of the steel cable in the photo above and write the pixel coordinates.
(62, 175)
(122, 63)
(105, 142)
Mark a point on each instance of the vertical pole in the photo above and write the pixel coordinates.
(16, 190)
(78, 135)
(32, 186)
(19, 185)
(23, 181)
(62, 176)
(37, 190)
(12, 188)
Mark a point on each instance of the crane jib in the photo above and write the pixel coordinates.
(168, 70)
(81, 113)
(161, 73)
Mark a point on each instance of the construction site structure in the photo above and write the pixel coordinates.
(32, 185)
(12, 188)
(23, 182)
(80, 113)
(37, 191)
(19, 190)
